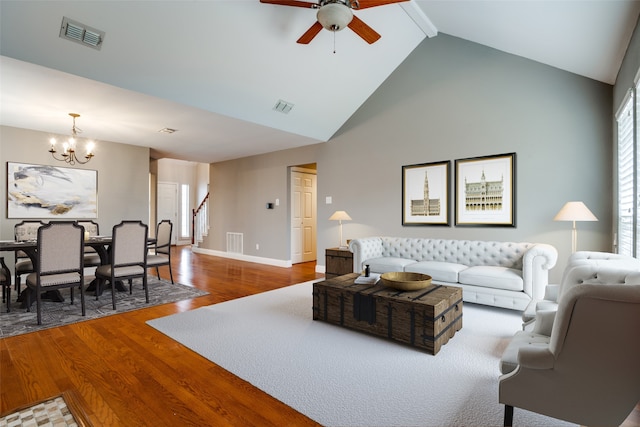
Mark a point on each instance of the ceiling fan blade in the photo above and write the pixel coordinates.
(295, 3)
(373, 3)
(363, 30)
(310, 33)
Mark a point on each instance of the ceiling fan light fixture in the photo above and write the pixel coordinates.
(334, 16)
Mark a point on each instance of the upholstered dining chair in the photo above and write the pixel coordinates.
(60, 262)
(128, 258)
(586, 371)
(91, 257)
(5, 282)
(161, 252)
(25, 230)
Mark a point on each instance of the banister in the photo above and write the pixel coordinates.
(194, 213)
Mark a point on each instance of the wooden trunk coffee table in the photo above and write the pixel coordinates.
(426, 318)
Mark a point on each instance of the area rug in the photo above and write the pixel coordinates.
(59, 411)
(340, 377)
(54, 314)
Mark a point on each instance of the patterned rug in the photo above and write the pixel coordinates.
(54, 314)
(59, 411)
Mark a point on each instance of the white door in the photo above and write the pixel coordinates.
(168, 206)
(303, 216)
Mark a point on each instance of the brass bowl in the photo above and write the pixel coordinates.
(405, 281)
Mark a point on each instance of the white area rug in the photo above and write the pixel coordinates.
(340, 377)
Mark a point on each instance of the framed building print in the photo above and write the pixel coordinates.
(425, 194)
(42, 191)
(485, 191)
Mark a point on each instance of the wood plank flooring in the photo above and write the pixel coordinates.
(125, 373)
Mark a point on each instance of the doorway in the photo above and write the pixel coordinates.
(303, 184)
(168, 205)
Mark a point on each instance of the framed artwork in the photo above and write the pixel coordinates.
(485, 191)
(41, 191)
(425, 194)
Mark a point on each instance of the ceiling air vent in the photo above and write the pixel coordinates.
(283, 106)
(80, 33)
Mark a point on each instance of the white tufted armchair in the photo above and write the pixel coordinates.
(596, 267)
(581, 363)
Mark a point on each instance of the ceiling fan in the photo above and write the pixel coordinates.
(335, 15)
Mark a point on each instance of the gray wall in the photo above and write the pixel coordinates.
(123, 177)
(239, 192)
(450, 99)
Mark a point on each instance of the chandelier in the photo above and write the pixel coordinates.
(69, 148)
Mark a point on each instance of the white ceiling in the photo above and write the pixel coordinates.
(214, 69)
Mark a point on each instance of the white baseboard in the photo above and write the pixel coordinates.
(242, 257)
(321, 268)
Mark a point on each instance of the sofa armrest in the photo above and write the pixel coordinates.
(364, 249)
(536, 263)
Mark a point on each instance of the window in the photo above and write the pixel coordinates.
(185, 215)
(628, 237)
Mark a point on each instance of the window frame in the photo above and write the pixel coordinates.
(627, 237)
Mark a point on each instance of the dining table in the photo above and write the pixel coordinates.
(101, 244)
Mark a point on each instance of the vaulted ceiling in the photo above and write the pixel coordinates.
(214, 70)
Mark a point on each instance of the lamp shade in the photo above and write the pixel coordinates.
(340, 216)
(575, 211)
(334, 16)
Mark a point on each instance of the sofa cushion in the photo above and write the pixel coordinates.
(387, 264)
(442, 271)
(492, 277)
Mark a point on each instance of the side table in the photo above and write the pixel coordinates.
(338, 262)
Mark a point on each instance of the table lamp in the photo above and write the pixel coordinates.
(574, 211)
(340, 216)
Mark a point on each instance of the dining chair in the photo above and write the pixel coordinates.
(59, 263)
(128, 258)
(25, 230)
(91, 257)
(5, 282)
(161, 252)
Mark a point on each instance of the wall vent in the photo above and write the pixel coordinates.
(235, 242)
(80, 33)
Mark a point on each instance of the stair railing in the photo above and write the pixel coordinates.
(200, 221)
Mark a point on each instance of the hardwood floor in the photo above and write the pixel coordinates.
(125, 373)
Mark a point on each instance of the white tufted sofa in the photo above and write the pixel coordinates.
(501, 274)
